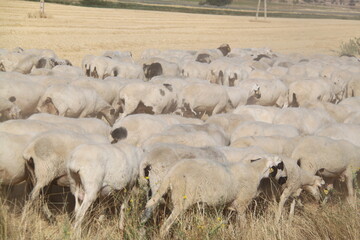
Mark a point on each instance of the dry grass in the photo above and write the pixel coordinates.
(73, 32)
(336, 220)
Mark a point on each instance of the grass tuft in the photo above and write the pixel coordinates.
(350, 48)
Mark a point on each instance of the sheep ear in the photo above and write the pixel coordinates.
(254, 160)
(280, 166)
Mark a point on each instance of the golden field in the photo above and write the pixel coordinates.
(74, 31)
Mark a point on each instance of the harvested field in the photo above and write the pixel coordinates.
(73, 31)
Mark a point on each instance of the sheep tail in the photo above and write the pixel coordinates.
(154, 201)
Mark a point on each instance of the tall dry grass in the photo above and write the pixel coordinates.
(335, 220)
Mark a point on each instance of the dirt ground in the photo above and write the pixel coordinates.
(73, 32)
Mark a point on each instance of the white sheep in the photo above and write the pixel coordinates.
(9, 109)
(26, 92)
(341, 131)
(229, 121)
(198, 99)
(46, 156)
(89, 125)
(195, 138)
(297, 179)
(201, 180)
(273, 92)
(279, 145)
(101, 169)
(159, 158)
(240, 96)
(12, 164)
(139, 127)
(256, 128)
(214, 131)
(194, 69)
(72, 101)
(258, 112)
(34, 127)
(304, 91)
(330, 158)
(307, 121)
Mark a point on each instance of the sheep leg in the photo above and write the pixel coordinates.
(79, 215)
(350, 187)
(284, 196)
(122, 210)
(169, 222)
(292, 210)
(217, 109)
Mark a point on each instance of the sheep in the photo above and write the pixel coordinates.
(258, 112)
(341, 131)
(279, 145)
(194, 138)
(239, 96)
(201, 180)
(229, 121)
(235, 73)
(216, 71)
(214, 131)
(339, 112)
(157, 66)
(9, 109)
(34, 127)
(128, 70)
(255, 128)
(194, 69)
(12, 164)
(27, 93)
(177, 119)
(353, 87)
(102, 88)
(18, 62)
(307, 121)
(304, 91)
(209, 55)
(159, 158)
(176, 83)
(199, 99)
(297, 179)
(86, 64)
(273, 92)
(139, 127)
(66, 69)
(330, 158)
(353, 118)
(100, 169)
(46, 156)
(89, 125)
(49, 63)
(146, 97)
(72, 101)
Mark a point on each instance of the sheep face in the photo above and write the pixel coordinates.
(48, 107)
(12, 113)
(256, 90)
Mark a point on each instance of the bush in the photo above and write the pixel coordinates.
(218, 2)
(350, 48)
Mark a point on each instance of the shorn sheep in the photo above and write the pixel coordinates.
(201, 180)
